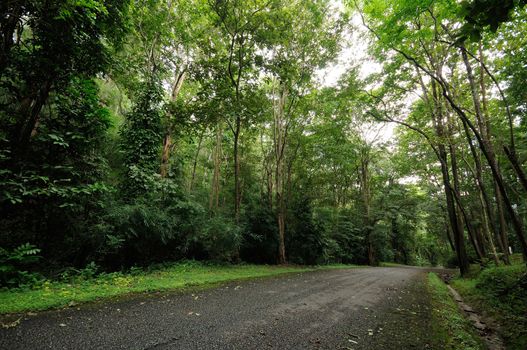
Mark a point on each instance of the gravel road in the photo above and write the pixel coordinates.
(361, 308)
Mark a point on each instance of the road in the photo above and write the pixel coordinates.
(361, 308)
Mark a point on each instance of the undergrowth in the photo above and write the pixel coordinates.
(451, 329)
(500, 292)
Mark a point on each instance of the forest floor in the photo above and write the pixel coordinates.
(370, 308)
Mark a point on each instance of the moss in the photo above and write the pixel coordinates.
(452, 331)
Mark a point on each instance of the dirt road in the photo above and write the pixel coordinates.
(362, 308)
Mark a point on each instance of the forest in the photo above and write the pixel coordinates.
(136, 132)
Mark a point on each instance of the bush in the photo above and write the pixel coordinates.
(502, 292)
(144, 232)
(220, 238)
(152, 228)
(505, 286)
(260, 239)
(90, 271)
(13, 263)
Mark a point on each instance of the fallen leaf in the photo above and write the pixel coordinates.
(12, 324)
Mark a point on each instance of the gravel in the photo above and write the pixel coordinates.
(360, 308)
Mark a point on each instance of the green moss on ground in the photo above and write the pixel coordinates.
(452, 330)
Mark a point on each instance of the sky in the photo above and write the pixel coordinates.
(355, 53)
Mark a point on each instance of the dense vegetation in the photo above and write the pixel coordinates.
(501, 292)
(138, 132)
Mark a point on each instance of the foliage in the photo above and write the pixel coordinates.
(501, 292)
(133, 133)
(479, 14)
(220, 238)
(141, 137)
(13, 263)
(157, 226)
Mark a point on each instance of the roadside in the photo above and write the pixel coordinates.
(451, 328)
(500, 294)
(359, 309)
(86, 285)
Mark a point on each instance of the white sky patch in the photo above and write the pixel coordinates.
(355, 54)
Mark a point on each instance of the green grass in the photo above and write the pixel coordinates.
(179, 276)
(451, 329)
(500, 292)
(391, 264)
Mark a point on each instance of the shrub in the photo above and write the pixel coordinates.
(221, 238)
(505, 286)
(13, 263)
(145, 232)
(502, 292)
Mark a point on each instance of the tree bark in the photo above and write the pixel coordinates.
(280, 142)
(488, 150)
(195, 163)
(167, 139)
(237, 188)
(217, 152)
(366, 202)
(29, 114)
(488, 216)
(457, 229)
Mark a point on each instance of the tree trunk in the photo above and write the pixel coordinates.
(366, 202)
(510, 151)
(29, 114)
(280, 142)
(488, 151)
(488, 216)
(237, 187)
(457, 230)
(503, 236)
(215, 192)
(195, 163)
(167, 139)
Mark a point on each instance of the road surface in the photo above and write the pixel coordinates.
(361, 308)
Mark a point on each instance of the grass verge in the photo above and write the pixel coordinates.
(501, 293)
(391, 264)
(451, 329)
(51, 295)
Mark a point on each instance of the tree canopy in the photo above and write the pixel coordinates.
(139, 131)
